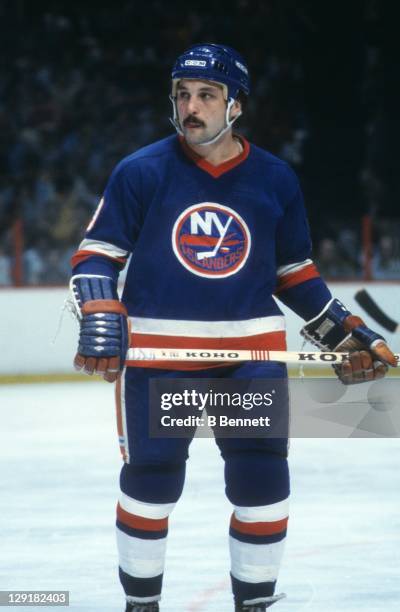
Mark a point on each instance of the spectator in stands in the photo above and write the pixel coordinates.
(5, 267)
(386, 259)
(331, 262)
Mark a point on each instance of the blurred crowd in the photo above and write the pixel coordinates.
(83, 86)
(340, 254)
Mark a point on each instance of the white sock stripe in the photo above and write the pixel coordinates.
(263, 514)
(255, 562)
(141, 558)
(145, 509)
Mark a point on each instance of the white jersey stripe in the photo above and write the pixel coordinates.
(294, 267)
(123, 417)
(207, 329)
(104, 248)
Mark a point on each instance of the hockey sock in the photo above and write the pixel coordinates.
(142, 526)
(258, 524)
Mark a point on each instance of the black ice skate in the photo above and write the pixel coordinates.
(259, 607)
(151, 606)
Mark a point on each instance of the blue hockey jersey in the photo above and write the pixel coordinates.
(208, 246)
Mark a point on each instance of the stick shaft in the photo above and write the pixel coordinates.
(302, 357)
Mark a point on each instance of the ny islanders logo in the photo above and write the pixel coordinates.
(211, 240)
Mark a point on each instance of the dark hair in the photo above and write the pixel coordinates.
(243, 99)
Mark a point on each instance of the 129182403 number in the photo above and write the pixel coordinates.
(34, 598)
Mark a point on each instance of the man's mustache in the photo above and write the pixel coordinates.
(192, 119)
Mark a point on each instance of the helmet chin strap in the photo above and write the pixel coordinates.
(174, 119)
(228, 122)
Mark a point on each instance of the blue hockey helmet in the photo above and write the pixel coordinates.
(218, 63)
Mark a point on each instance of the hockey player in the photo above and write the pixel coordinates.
(214, 226)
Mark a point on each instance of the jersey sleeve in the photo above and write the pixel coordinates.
(298, 283)
(114, 228)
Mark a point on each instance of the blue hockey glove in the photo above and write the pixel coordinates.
(103, 338)
(336, 329)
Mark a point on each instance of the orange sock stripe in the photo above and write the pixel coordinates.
(264, 528)
(140, 522)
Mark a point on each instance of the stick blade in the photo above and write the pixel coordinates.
(363, 298)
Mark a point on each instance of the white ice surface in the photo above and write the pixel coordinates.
(59, 480)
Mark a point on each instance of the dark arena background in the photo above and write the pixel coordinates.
(84, 84)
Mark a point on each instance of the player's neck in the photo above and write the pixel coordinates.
(227, 147)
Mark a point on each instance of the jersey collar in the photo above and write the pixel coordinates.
(216, 171)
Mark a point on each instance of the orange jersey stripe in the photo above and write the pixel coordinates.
(295, 278)
(267, 528)
(270, 341)
(83, 255)
(140, 522)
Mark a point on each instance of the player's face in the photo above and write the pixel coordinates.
(201, 110)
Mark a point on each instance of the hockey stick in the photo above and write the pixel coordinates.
(205, 254)
(363, 298)
(160, 354)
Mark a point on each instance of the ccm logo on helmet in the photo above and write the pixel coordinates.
(195, 63)
(211, 240)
